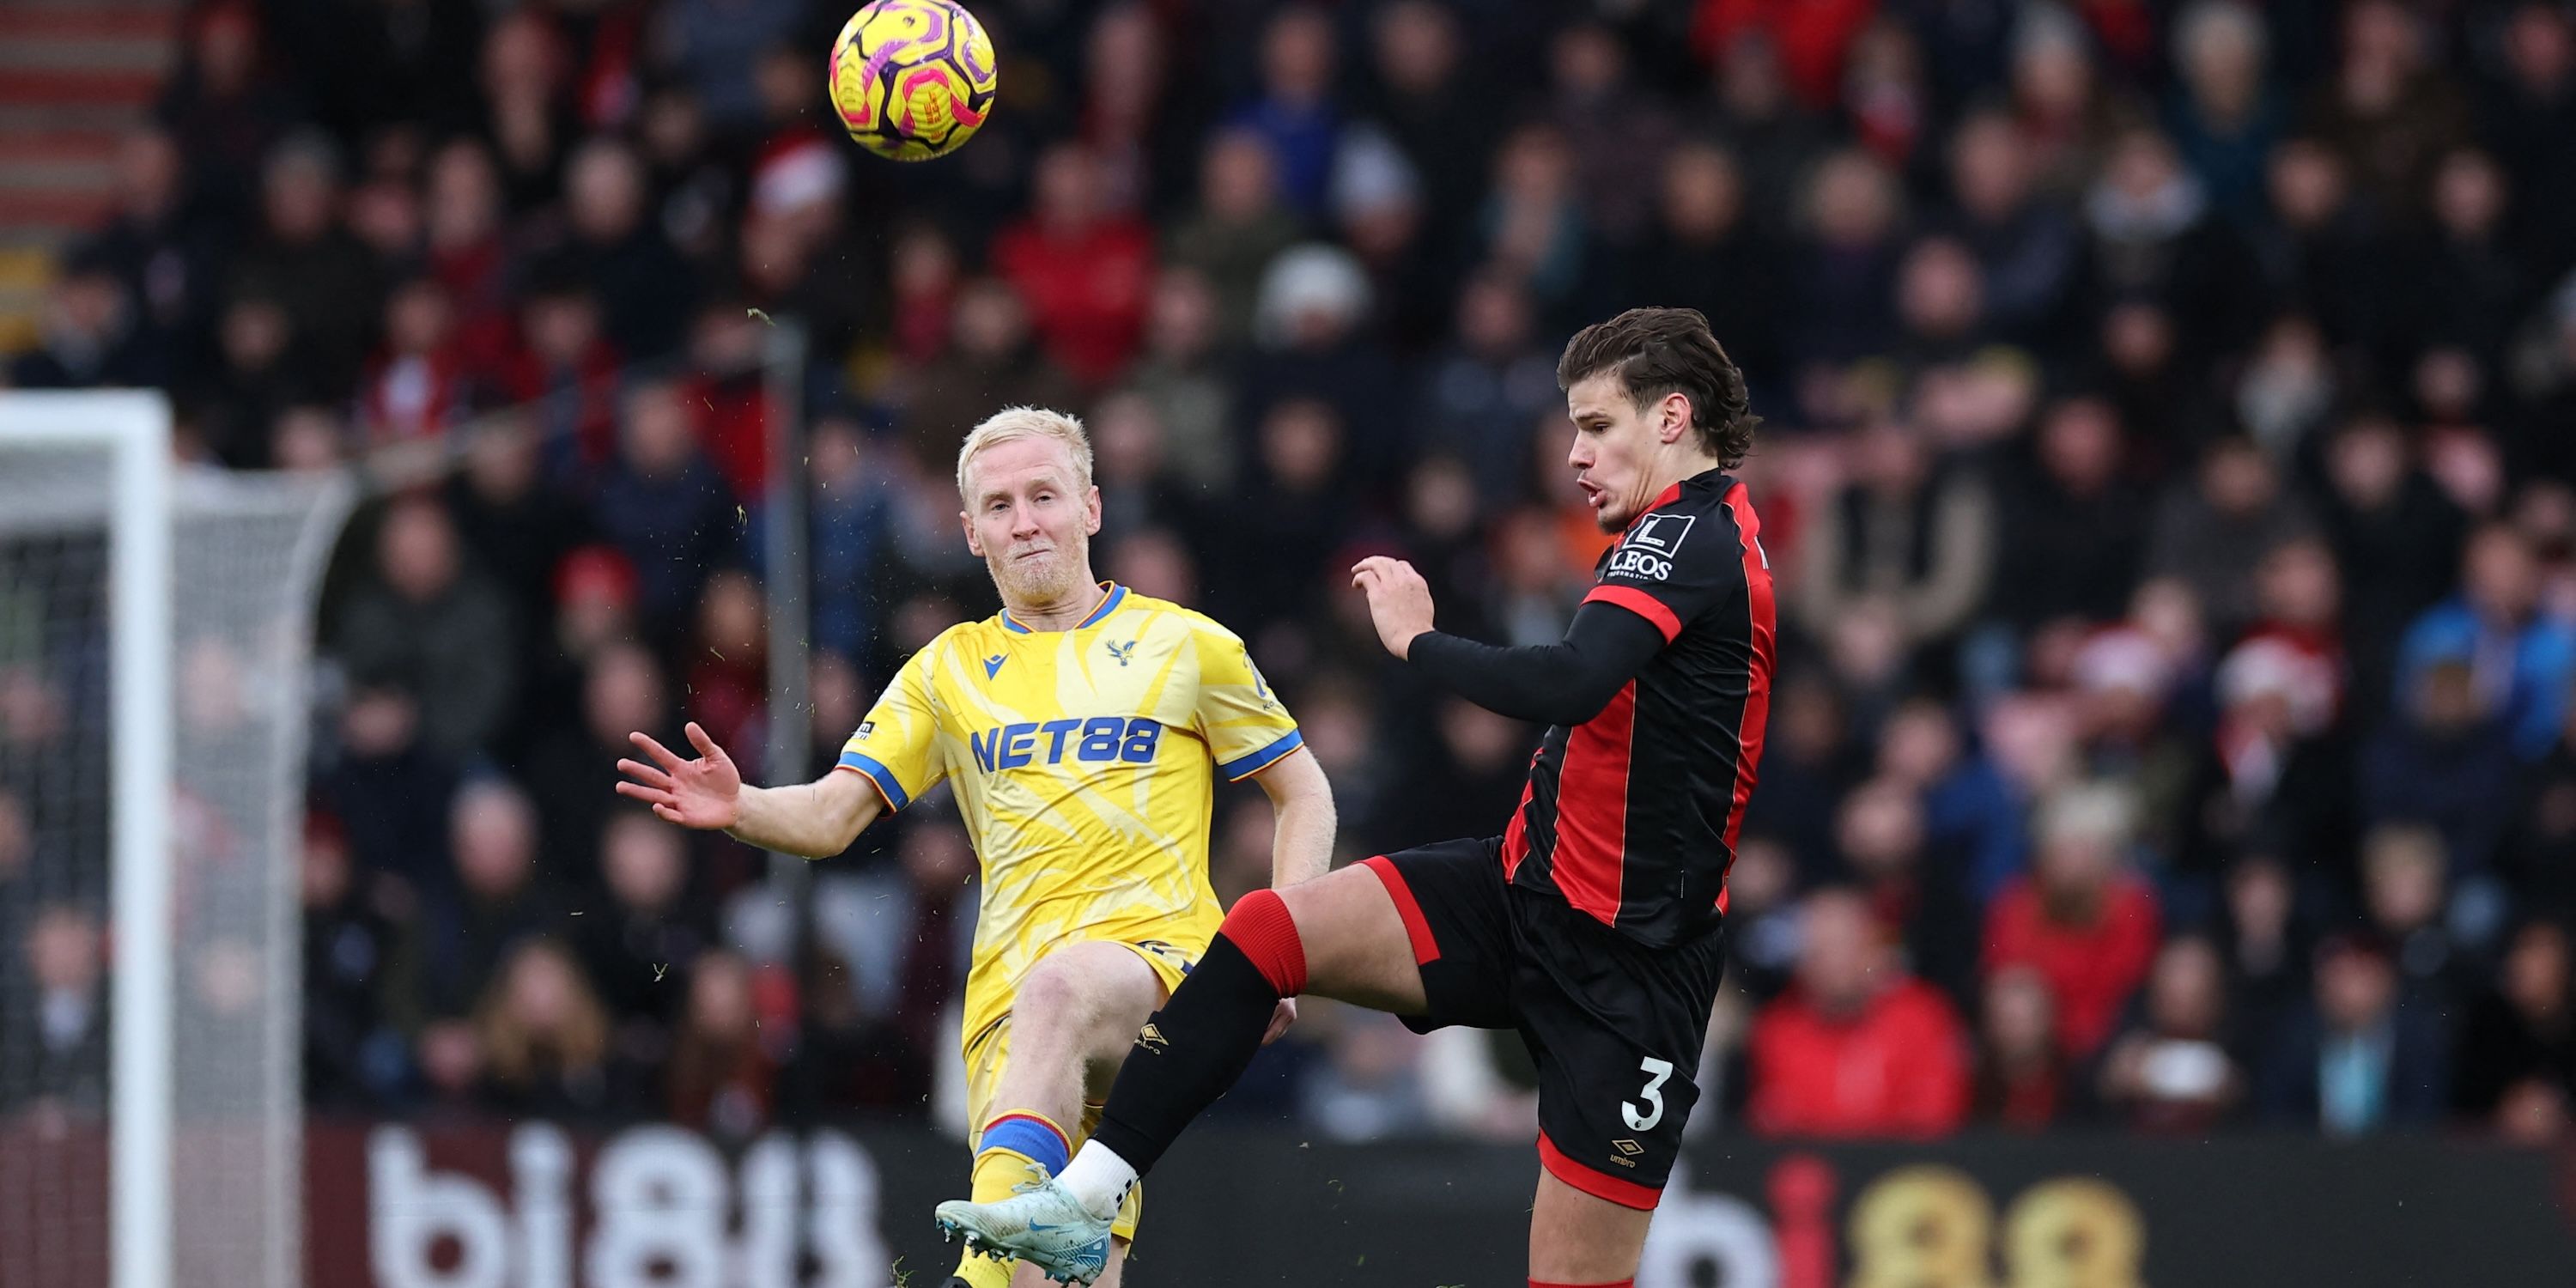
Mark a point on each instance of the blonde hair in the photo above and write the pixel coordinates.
(1013, 423)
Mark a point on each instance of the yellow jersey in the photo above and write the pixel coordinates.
(1085, 764)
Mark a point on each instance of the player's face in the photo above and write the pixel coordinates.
(1029, 521)
(1616, 445)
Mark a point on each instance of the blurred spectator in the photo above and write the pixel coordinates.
(1293, 112)
(648, 929)
(56, 1028)
(2386, 108)
(1238, 228)
(1181, 374)
(432, 625)
(2155, 237)
(2528, 107)
(1812, 38)
(2171, 1073)
(1429, 103)
(2072, 528)
(225, 107)
(2266, 956)
(325, 282)
(991, 362)
(2224, 115)
(467, 249)
(574, 769)
(726, 679)
(716, 42)
(2519, 654)
(1968, 810)
(2028, 248)
(1083, 269)
(2407, 894)
(664, 505)
(2088, 924)
(351, 1059)
(1848, 223)
(721, 1077)
(1705, 249)
(2214, 528)
(91, 338)
(2521, 1034)
(469, 919)
(1856, 1047)
(1904, 536)
(2354, 1062)
(1310, 342)
(414, 386)
(1917, 896)
(1595, 97)
(513, 528)
(1481, 393)
(645, 289)
(545, 1039)
(2023, 1083)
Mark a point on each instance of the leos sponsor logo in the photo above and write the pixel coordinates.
(1628, 561)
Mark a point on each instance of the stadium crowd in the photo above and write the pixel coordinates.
(2169, 469)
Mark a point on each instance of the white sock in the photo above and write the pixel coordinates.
(1097, 1178)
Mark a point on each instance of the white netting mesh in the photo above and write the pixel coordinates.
(246, 556)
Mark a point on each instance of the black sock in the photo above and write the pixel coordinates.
(1187, 1055)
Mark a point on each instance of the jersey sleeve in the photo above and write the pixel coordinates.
(1246, 726)
(1674, 565)
(897, 746)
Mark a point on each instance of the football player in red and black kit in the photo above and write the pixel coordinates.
(1592, 924)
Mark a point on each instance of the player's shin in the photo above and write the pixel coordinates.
(1195, 1048)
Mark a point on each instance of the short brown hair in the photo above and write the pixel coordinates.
(1658, 352)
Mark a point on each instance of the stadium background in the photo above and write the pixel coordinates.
(2170, 470)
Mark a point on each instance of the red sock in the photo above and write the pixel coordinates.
(1260, 925)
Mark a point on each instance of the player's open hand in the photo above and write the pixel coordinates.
(1399, 601)
(1280, 1019)
(703, 793)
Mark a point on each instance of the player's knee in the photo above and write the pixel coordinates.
(1261, 925)
(1055, 996)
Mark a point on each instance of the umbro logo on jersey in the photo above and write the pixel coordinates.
(994, 663)
(1125, 653)
(1152, 1039)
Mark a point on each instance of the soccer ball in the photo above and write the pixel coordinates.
(912, 79)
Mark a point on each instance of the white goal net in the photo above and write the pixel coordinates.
(155, 643)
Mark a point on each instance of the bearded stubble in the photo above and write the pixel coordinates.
(1047, 579)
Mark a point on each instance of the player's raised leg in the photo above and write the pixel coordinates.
(1340, 936)
(1076, 1012)
(1579, 1241)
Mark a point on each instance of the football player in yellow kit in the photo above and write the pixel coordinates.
(1083, 729)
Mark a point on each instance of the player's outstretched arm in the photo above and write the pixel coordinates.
(1565, 683)
(817, 819)
(1301, 799)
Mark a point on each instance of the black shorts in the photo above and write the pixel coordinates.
(1616, 1026)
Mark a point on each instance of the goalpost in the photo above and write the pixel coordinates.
(155, 645)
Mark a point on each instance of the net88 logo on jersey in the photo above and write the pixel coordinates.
(1646, 553)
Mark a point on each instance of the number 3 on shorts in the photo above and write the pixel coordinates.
(1645, 1120)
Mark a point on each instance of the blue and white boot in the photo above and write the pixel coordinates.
(1044, 1225)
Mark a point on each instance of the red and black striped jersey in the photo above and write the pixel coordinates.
(1632, 815)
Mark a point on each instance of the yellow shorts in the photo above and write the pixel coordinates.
(990, 1050)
